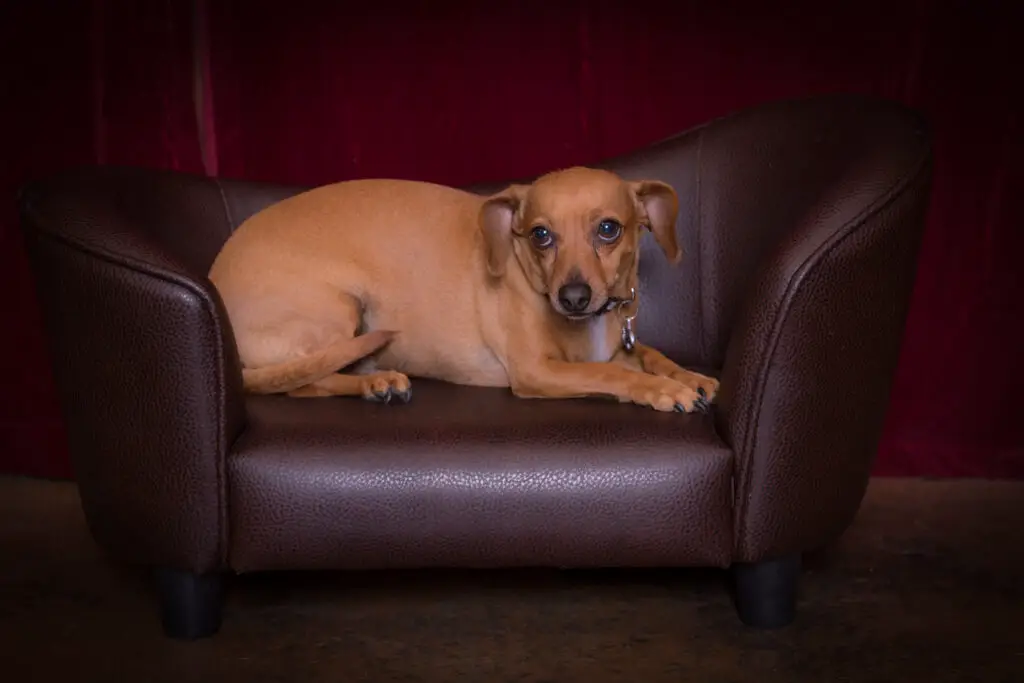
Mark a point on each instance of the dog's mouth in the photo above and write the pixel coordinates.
(609, 304)
(579, 317)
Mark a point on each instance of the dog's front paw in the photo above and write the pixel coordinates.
(706, 387)
(667, 395)
(382, 387)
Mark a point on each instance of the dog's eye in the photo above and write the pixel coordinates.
(541, 237)
(609, 230)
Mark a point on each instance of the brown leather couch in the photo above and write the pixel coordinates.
(800, 222)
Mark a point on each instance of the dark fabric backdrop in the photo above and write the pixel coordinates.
(306, 92)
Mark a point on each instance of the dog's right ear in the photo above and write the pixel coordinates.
(498, 218)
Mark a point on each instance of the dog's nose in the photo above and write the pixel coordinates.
(574, 297)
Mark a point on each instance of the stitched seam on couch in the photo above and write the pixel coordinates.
(229, 220)
(749, 439)
(146, 269)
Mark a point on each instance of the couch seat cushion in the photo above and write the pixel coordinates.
(473, 477)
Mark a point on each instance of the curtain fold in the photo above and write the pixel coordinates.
(85, 81)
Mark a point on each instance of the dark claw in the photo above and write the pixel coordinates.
(380, 396)
(702, 405)
(679, 408)
(703, 394)
(404, 396)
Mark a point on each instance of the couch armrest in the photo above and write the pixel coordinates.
(814, 344)
(144, 360)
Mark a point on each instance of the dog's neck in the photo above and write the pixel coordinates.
(601, 340)
(594, 340)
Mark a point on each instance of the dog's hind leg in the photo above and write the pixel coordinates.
(304, 344)
(378, 386)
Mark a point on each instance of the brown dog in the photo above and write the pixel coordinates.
(531, 288)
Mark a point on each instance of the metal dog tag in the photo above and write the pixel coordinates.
(628, 335)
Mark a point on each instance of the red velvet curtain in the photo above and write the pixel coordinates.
(306, 92)
(86, 81)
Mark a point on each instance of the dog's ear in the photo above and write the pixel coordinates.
(498, 217)
(659, 206)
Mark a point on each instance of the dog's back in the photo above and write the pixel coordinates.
(409, 252)
(373, 225)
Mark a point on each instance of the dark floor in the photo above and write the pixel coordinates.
(928, 585)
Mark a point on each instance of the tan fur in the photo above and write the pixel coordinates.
(390, 278)
(301, 371)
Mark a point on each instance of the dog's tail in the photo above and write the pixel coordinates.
(288, 376)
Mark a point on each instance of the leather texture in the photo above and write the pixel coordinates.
(829, 245)
(800, 223)
(242, 199)
(147, 373)
(475, 477)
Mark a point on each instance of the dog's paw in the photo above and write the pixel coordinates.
(706, 387)
(668, 395)
(383, 387)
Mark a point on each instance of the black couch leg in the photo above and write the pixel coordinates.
(190, 604)
(766, 591)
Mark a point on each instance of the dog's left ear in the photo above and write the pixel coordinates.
(659, 206)
(498, 217)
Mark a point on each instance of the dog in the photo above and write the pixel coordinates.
(532, 289)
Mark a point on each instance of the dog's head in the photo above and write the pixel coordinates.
(576, 234)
